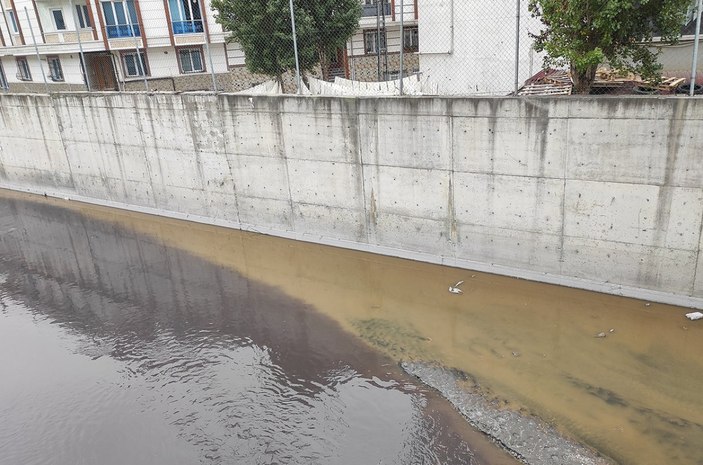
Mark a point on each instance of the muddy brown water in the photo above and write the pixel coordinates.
(116, 348)
(634, 395)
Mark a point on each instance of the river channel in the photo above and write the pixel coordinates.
(127, 338)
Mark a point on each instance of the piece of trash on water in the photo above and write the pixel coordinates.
(600, 335)
(694, 316)
(612, 330)
(455, 288)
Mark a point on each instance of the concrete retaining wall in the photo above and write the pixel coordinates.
(603, 194)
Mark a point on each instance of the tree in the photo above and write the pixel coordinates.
(263, 29)
(334, 22)
(585, 33)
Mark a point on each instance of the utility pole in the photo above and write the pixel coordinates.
(696, 43)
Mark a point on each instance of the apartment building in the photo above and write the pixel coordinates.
(166, 45)
(172, 43)
(370, 59)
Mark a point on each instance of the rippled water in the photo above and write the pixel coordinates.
(634, 395)
(118, 349)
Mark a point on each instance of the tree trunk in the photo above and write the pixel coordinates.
(583, 79)
(324, 64)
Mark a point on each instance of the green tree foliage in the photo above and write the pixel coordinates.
(334, 22)
(585, 33)
(263, 29)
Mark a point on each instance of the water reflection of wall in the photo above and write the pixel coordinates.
(106, 279)
(244, 373)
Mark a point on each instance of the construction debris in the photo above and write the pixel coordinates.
(559, 82)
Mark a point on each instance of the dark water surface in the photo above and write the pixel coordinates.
(118, 349)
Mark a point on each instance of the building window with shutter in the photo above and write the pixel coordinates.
(23, 73)
(371, 43)
(134, 64)
(410, 39)
(55, 71)
(190, 60)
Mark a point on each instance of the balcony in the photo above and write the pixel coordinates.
(68, 37)
(194, 26)
(117, 31)
(370, 10)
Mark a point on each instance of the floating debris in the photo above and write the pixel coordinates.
(694, 316)
(600, 335)
(455, 288)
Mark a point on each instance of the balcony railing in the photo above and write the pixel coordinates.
(187, 27)
(122, 30)
(370, 10)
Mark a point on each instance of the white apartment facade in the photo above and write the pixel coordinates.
(173, 45)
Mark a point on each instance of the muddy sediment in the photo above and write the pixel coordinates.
(527, 438)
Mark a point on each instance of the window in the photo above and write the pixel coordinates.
(13, 21)
(60, 24)
(23, 73)
(55, 71)
(369, 8)
(191, 60)
(120, 19)
(185, 16)
(3, 78)
(410, 39)
(371, 42)
(134, 64)
(83, 16)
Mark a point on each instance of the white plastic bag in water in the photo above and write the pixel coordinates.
(694, 316)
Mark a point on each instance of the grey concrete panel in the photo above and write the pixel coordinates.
(514, 146)
(408, 192)
(326, 183)
(417, 142)
(216, 172)
(257, 211)
(321, 129)
(323, 220)
(510, 107)
(636, 265)
(632, 213)
(536, 251)
(261, 177)
(618, 150)
(422, 235)
(509, 202)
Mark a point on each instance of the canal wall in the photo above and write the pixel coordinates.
(597, 193)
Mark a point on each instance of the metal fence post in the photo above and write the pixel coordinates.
(517, 48)
(36, 49)
(295, 49)
(378, 38)
(694, 65)
(80, 43)
(402, 43)
(141, 63)
(212, 67)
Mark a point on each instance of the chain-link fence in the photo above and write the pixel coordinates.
(328, 47)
